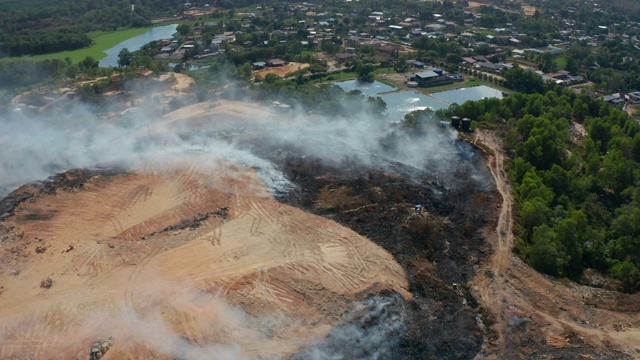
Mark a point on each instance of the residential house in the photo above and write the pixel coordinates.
(342, 57)
(633, 97)
(613, 99)
(469, 60)
(416, 64)
(387, 48)
(487, 66)
(275, 63)
(430, 78)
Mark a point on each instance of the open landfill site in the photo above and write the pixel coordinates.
(227, 230)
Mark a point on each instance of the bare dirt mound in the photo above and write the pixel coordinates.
(175, 265)
(282, 71)
(218, 113)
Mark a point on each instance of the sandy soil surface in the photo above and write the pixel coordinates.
(475, 5)
(180, 81)
(282, 71)
(577, 130)
(194, 12)
(178, 264)
(558, 312)
(168, 86)
(529, 10)
(218, 114)
(632, 110)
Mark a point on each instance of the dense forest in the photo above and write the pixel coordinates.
(575, 176)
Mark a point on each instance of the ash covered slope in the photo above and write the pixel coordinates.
(438, 249)
(306, 161)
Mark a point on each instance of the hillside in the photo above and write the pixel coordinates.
(170, 264)
(234, 229)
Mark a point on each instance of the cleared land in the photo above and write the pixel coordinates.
(282, 71)
(178, 263)
(182, 262)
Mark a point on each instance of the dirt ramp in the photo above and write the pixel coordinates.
(177, 264)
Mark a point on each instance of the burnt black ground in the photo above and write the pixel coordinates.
(69, 180)
(437, 249)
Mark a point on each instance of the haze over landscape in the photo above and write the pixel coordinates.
(332, 180)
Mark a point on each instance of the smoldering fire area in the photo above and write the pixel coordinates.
(319, 251)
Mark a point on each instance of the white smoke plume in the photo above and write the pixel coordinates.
(38, 146)
(373, 330)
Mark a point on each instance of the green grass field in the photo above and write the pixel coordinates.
(338, 75)
(102, 40)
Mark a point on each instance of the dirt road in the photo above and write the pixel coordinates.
(529, 306)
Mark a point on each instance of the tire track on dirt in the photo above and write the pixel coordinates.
(557, 309)
(292, 272)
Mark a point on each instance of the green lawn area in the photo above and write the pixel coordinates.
(484, 32)
(102, 40)
(339, 75)
(383, 70)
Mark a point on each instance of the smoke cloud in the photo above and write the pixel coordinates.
(373, 329)
(37, 146)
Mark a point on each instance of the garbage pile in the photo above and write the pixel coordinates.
(100, 347)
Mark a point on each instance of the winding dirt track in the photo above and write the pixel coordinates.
(252, 278)
(555, 310)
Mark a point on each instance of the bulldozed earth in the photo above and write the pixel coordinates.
(185, 261)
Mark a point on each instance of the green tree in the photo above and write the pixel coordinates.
(533, 213)
(183, 29)
(547, 64)
(124, 57)
(377, 105)
(544, 255)
(365, 71)
(245, 71)
(523, 80)
(629, 274)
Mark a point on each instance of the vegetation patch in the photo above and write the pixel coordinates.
(577, 201)
(101, 41)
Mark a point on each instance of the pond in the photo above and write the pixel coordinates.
(191, 67)
(475, 93)
(401, 103)
(136, 42)
(367, 88)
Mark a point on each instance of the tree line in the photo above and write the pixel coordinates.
(577, 194)
(36, 27)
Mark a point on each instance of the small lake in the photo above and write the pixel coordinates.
(475, 93)
(136, 42)
(367, 88)
(191, 67)
(401, 103)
